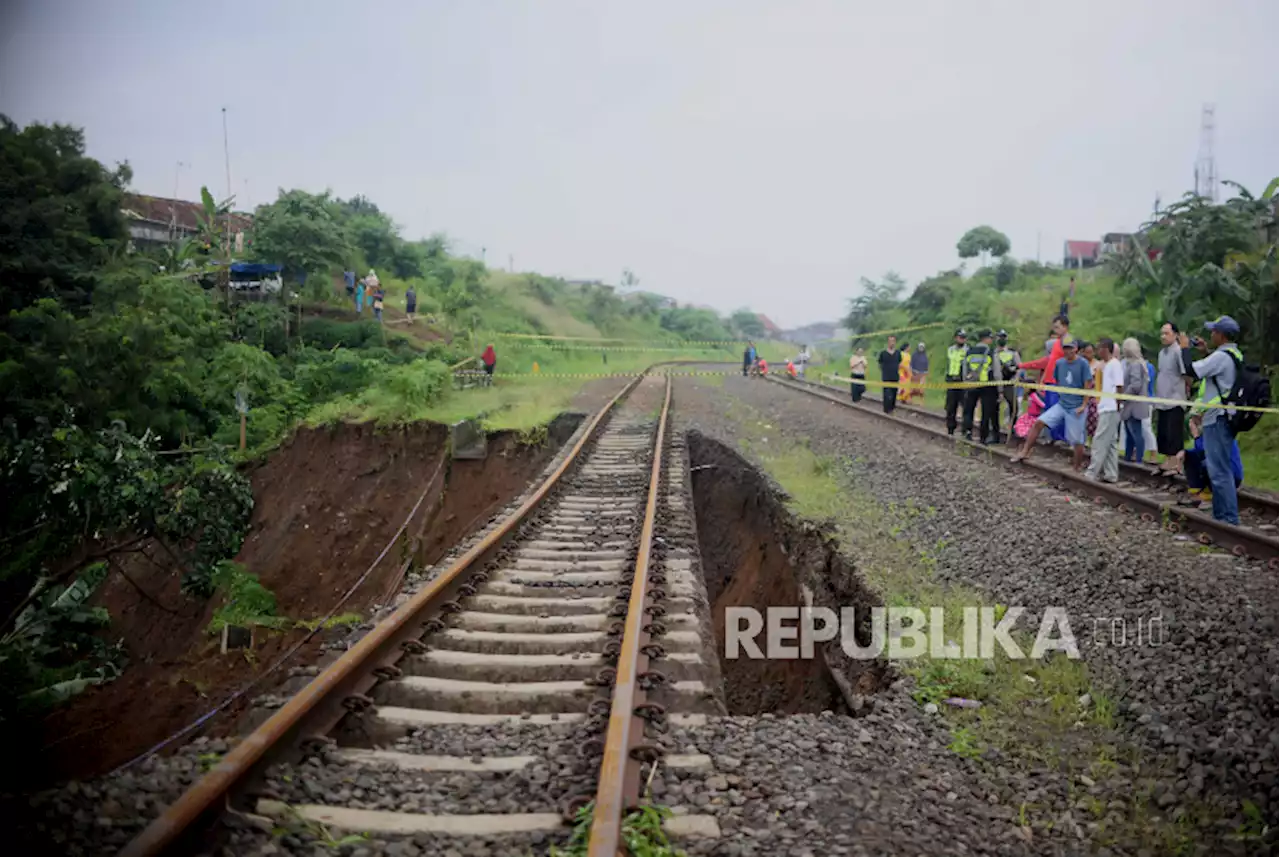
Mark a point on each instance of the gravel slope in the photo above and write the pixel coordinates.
(1202, 703)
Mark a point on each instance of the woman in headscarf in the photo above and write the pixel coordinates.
(1133, 413)
(904, 375)
(919, 371)
(489, 359)
(1095, 367)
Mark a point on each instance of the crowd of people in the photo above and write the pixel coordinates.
(1126, 406)
(368, 292)
(754, 365)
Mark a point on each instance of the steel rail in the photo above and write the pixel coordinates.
(318, 707)
(1241, 541)
(1262, 501)
(618, 788)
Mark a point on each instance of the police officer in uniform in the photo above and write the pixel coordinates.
(955, 374)
(1007, 360)
(979, 366)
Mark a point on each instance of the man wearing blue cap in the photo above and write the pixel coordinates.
(1218, 370)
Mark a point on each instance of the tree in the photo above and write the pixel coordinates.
(867, 311)
(1006, 273)
(747, 324)
(301, 232)
(629, 279)
(982, 241)
(927, 302)
(1198, 260)
(61, 223)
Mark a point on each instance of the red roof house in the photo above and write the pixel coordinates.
(157, 220)
(1080, 254)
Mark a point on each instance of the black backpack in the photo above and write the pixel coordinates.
(1251, 390)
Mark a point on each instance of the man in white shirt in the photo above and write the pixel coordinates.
(1104, 465)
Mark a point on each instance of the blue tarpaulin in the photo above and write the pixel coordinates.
(254, 268)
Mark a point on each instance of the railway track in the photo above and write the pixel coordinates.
(1139, 490)
(511, 690)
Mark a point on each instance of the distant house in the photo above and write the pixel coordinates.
(155, 220)
(771, 330)
(1115, 242)
(1080, 254)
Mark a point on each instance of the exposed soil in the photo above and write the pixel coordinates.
(325, 505)
(754, 555)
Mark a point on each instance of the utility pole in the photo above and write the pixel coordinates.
(226, 154)
(482, 251)
(511, 263)
(1206, 172)
(173, 206)
(1037, 246)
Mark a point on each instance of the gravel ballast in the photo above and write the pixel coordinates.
(1200, 705)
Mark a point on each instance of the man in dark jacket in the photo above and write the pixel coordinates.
(890, 361)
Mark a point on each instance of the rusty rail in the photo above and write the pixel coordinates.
(318, 707)
(618, 788)
(1240, 540)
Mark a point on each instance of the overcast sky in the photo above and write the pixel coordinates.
(730, 153)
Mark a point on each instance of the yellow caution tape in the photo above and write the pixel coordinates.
(623, 340)
(540, 375)
(1052, 388)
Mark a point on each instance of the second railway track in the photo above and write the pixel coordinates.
(1139, 491)
(512, 689)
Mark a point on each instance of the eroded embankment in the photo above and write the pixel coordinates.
(325, 505)
(755, 554)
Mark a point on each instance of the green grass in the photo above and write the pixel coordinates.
(1259, 453)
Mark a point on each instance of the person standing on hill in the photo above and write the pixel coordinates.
(857, 375)
(1170, 384)
(955, 373)
(360, 298)
(746, 360)
(489, 359)
(890, 365)
(410, 303)
(378, 296)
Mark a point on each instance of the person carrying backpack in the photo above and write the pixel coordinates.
(1227, 381)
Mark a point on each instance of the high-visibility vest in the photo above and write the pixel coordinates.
(1234, 352)
(978, 365)
(955, 361)
(1007, 367)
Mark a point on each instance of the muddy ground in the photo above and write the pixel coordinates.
(325, 505)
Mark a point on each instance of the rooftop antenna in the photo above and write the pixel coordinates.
(1206, 173)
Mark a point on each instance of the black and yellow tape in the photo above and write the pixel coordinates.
(1052, 388)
